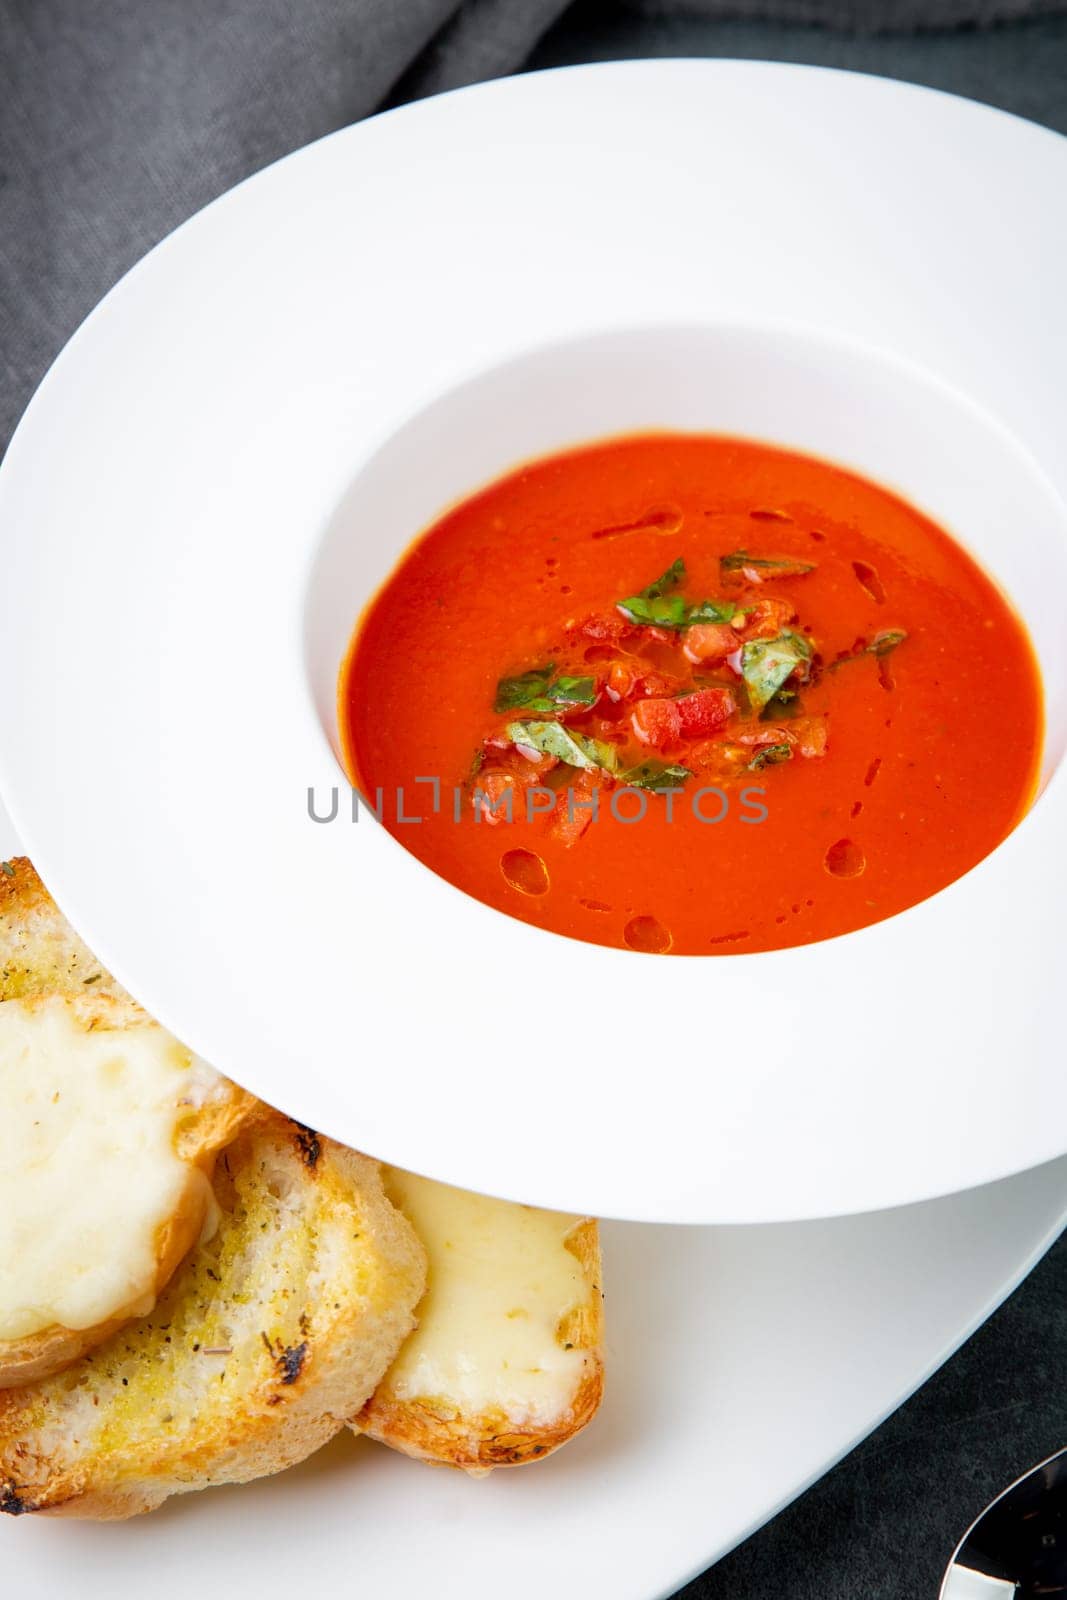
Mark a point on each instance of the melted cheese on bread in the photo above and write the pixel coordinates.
(501, 1282)
(90, 1175)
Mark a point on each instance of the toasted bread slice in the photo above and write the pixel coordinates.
(271, 1334)
(95, 1217)
(40, 954)
(55, 994)
(39, 951)
(506, 1363)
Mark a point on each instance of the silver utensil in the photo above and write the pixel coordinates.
(1018, 1546)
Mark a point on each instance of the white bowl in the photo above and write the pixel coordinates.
(235, 447)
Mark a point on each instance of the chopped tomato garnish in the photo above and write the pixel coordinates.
(574, 810)
(490, 786)
(710, 641)
(625, 684)
(807, 735)
(655, 685)
(490, 797)
(719, 758)
(765, 733)
(621, 680)
(606, 628)
(767, 618)
(704, 712)
(626, 681)
(656, 722)
(812, 736)
(765, 570)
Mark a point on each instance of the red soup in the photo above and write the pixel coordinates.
(692, 694)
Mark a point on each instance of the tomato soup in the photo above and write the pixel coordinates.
(692, 694)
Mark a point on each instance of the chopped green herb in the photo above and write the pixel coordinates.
(94, 979)
(880, 645)
(553, 739)
(536, 690)
(477, 762)
(770, 755)
(765, 566)
(674, 575)
(572, 691)
(785, 704)
(712, 611)
(888, 640)
(518, 691)
(654, 775)
(767, 663)
(659, 607)
(7, 869)
(663, 611)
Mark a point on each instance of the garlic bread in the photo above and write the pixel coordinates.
(506, 1362)
(107, 1140)
(108, 1135)
(39, 951)
(272, 1333)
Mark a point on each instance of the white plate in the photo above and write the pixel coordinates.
(742, 1362)
(219, 417)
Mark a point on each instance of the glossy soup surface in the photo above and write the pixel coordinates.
(847, 706)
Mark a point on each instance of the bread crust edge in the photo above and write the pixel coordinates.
(478, 1444)
(278, 1423)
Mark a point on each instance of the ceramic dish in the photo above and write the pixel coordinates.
(797, 1340)
(692, 1450)
(243, 437)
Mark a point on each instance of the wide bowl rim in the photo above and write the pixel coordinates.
(108, 898)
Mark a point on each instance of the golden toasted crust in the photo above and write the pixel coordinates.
(41, 955)
(270, 1335)
(443, 1434)
(39, 951)
(42, 959)
(38, 1355)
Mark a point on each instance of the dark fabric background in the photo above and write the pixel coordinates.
(118, 118)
